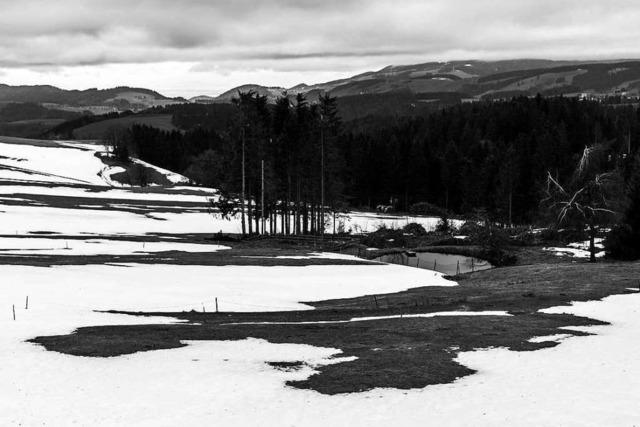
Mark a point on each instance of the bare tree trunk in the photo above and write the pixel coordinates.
(298, 207)
(288, 204)
(592, 243)
(321, 212)
(334, 221)
(249, 214)
(256, 218)
(271, 221)
(510, 207)
(283, 217)
(305, 218)
(262, 217)
(242, 199)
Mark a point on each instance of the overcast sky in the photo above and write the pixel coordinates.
(191, 47)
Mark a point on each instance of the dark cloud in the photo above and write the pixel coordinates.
(328, 35)
(68, 32)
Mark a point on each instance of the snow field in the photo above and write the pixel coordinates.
(584, 381)
(44, 246)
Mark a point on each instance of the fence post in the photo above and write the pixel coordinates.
(26, 304)
(14, 311)
(434, 265)
(216, 304)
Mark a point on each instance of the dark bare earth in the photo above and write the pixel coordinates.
(400, 353)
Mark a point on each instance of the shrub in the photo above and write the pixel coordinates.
(470, 228)
(414, 229)
(425, 208)
(549, 235)
(385, 238)
(622, 243)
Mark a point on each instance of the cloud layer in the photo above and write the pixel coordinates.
(295, 39)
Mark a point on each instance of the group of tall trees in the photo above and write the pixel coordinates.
(278, 161)
(494, 156)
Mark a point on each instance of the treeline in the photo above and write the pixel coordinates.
(285, 155)
(65, 130)
(489, 156)
(492, 155)
(12, 112)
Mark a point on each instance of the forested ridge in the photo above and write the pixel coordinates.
(493, 156)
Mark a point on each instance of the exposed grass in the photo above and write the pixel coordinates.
(242, 253)
(98, 129)
(400, 353)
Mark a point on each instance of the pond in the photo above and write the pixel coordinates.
(444, 263)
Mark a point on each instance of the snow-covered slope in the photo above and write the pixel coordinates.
(62, 161)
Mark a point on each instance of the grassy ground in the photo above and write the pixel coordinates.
(98, 129)
(243, 253)
(401, 353)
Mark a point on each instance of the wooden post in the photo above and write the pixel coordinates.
(216, 304)
(26, 304)
(376, 301)
(435, 264)
(458, 268)
(473, 265)
(203, 310)
(14, 312)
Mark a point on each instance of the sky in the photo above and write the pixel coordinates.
(193, 47)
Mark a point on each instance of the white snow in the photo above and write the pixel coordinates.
(173, 177)
(592, 381)
(573, 252)
(52, 163)
(554, 337)
(373, 318)
(312, 255)
(106, 193)
(366, 222)
(579, 249)
(29, 219)
(47, 246)
(62, 161)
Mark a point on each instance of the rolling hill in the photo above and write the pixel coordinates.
(391, 91)
(452, 82)
(96, 101)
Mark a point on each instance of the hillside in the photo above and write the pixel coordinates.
(96, 101)
(97, 130)
(30, 119)
(405, 90)
(453, 82)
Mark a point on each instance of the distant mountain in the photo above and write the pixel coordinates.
(97, 101)
(455, 81)
(203, 99)
(272, 93)
(404, 90)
